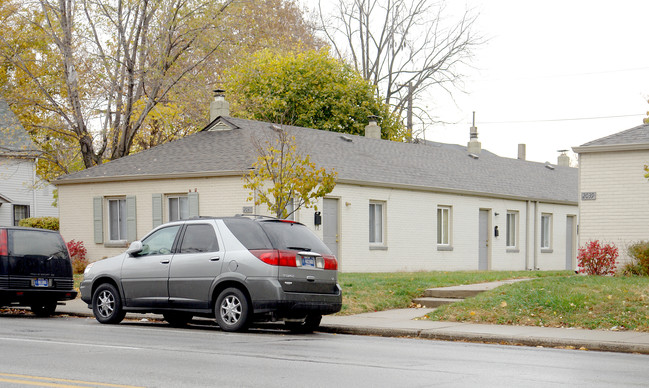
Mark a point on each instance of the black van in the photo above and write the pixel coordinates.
(35, 269)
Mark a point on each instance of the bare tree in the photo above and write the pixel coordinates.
(404, 47)
(116, 60)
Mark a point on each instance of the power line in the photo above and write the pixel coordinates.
(544, 120)
(564, 119)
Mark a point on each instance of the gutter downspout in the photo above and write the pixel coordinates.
(527, 235)
(536, 242)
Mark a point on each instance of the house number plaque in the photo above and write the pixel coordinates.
(588, 196)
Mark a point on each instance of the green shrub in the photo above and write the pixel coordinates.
(51, 223)
(639, 266)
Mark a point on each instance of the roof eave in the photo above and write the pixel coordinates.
(456, 191)
(123, 178)
(611, 148)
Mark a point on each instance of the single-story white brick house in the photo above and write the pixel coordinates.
(396, 206)
(614, 194)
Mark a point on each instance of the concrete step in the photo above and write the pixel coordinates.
(434, 302)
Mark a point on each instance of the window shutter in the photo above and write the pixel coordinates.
(156, 203)
(131, 226)
(193, 204)
(98, 219)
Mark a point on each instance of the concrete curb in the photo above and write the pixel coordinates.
(578, 344)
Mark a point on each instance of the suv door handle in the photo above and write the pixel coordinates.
(165, 261)
(215, 258)
(310, 278)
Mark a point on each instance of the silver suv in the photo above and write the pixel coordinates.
(236, 269)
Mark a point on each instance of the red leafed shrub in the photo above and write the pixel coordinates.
(78, 256)
(597, 259)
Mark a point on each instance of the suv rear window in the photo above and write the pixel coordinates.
(248, 232)
(293, 236)
(36, 243)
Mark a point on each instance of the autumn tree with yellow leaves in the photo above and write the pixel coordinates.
(282, 175)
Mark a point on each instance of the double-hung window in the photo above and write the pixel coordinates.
(178, 208)
(444, 226)
(117, 219)
(512, 229)
(546, 231)
(377, 223)
(20, 212)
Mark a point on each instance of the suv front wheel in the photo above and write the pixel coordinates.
(231, 310)
(107, 304)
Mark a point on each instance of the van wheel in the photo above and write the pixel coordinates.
(176, 319)
(231, 310)
(43, 309)
(107, 304)
(310, 324)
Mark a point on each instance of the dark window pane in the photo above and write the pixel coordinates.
(199, 238)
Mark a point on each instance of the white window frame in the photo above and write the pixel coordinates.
(546, 231)
(179, 198)
(444, 226)
(120, 219)
(376, 210)
(511, 238)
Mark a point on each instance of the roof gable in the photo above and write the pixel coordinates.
(14, 140)
(633, 138)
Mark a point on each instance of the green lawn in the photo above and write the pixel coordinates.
(364, 292)
(590, 302)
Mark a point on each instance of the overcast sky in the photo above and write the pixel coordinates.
(554, 74)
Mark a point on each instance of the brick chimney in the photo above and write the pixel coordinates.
(563, 159)
(372, 129)
(218, 106)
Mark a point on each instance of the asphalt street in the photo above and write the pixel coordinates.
(78, 351)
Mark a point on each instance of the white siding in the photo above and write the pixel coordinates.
(410, 221)
(17, 184)
(620, 212)
(216, 196)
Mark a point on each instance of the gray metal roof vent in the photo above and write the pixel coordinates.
(346, 138)
(474, 156)
(549, 166)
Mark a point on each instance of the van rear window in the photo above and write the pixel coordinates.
(36, 243)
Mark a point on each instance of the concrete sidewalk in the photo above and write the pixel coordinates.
(405, 323)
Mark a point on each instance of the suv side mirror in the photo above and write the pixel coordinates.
(136, 247)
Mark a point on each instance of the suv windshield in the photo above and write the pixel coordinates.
(293, 236)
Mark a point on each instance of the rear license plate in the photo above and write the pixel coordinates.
(308, 262)
(41, 283)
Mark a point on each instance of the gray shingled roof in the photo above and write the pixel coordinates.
(636, 135)
(13, 137)
(427, 166)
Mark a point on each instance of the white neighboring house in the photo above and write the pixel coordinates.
(396, 206)
(22, 193)
(614, 194)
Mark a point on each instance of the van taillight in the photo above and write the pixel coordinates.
(275, 257)
(4, 249)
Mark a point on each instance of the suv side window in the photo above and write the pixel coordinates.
(199, 238)
(160, 242)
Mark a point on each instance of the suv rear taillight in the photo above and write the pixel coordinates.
(4, 249)
(330, 262)
(275, 257)
(285, 258)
